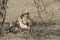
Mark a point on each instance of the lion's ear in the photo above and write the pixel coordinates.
(27, 13)
(21, 15)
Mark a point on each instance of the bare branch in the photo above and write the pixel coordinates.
(42, 6)
(3, 8)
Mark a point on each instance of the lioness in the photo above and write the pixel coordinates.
(25, 21)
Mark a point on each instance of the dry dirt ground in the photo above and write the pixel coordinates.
(11, 36)
(51, 32)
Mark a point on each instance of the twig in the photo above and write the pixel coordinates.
(4, 3)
